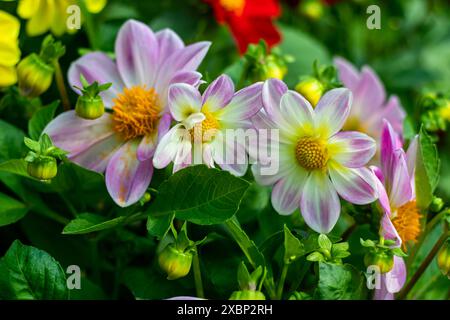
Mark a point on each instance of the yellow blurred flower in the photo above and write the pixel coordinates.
(45, 15)
(9, 48)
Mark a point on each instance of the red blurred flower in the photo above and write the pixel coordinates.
(249, 20)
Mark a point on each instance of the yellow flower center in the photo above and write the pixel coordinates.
(354, 124)
(311, 153)
(407, 222)
(136, 112)
(205, 130)
(236, 6)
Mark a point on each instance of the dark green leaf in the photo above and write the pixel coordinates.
(88, 222)
(29, 273)
(158, 226)
(200, 195)
(40, 120)
(11, 210)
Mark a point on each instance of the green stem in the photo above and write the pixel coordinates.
(198, 277)
(247, 246)
(280, 288)
(61, 86)
(89, 26)
(423, 266)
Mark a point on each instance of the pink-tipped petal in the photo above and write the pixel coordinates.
(347, 73)
(396, 278)
(184, 100)
(137, 54)
(218, 94)
(75, 135)
(319, 205)
(297, 111)
(168, 43)
(394, 113)
(127, 178)
(388, 230)
(332, 110)
(183, 157)
(272, 91)
(369, 94)
(400, 191)
(389, 144)
(287, 192)
(356, 185)
(229, 154)
(352, 149)
(244, 104)
(147, 147)
(97, 156)
(189, 77)
(97, 66)
(411, 156)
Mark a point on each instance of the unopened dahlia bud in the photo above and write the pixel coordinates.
(43, 168)
(34, 76)
(443, 259)
(382, 259)
(90, 104)
(313, 9)
(174, 262)
(247, 295)
(312, 89)
(437, 204)
(274, 68)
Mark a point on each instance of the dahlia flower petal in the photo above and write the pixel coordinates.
(356, 185)
(347, 73)
(400, 191)
(245, 104)
(388, 230)
(218, 94)
(411, 156)
(332, 111)
(396, 278)
(230, 155)
(74, 134)
(287, 192)
(272, 91)
(97, 156)
(208, 155)
(184, 100)
(383, 198)
(352, 149)
(167, 147)
(297, 110)
(97, 66)
(319, 205)
(383, 293)
(127, 178)
(168, 43)
(137, 54)
(389, 144)
(183, 156)
(370, 93)
(394, 113)
(186, 59)
(189, 77)
(148, 144)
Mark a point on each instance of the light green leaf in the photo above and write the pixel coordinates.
(324, 242)
(88, 222)
(293, 248)
(200, 195)
(27, 273)
(11, 210)
(16, 166)
(427, 170)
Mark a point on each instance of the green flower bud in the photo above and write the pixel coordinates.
(383, 259)
(443, 259)
(90, 107)
(274, 69)
(34, 76)
(313, 9)
(437, 204)
(247, 295)
(312, 89)
(43, 168)
(175, 263)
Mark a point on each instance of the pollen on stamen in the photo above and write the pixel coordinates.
(311, 153)
(407, 223)
(205, 130)
(136, 112)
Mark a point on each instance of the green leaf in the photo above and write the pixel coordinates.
(32, 145)
(315, 256)
(16, 166)
(305, 49)
(339, 282)
(200, 195)
(427, 170)
(28, 273)
(244, 278)
(158, 226)
(88, 222)
(40, 119)
(11, 142)
(11, 210)
(293, 248)
(367, 243)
